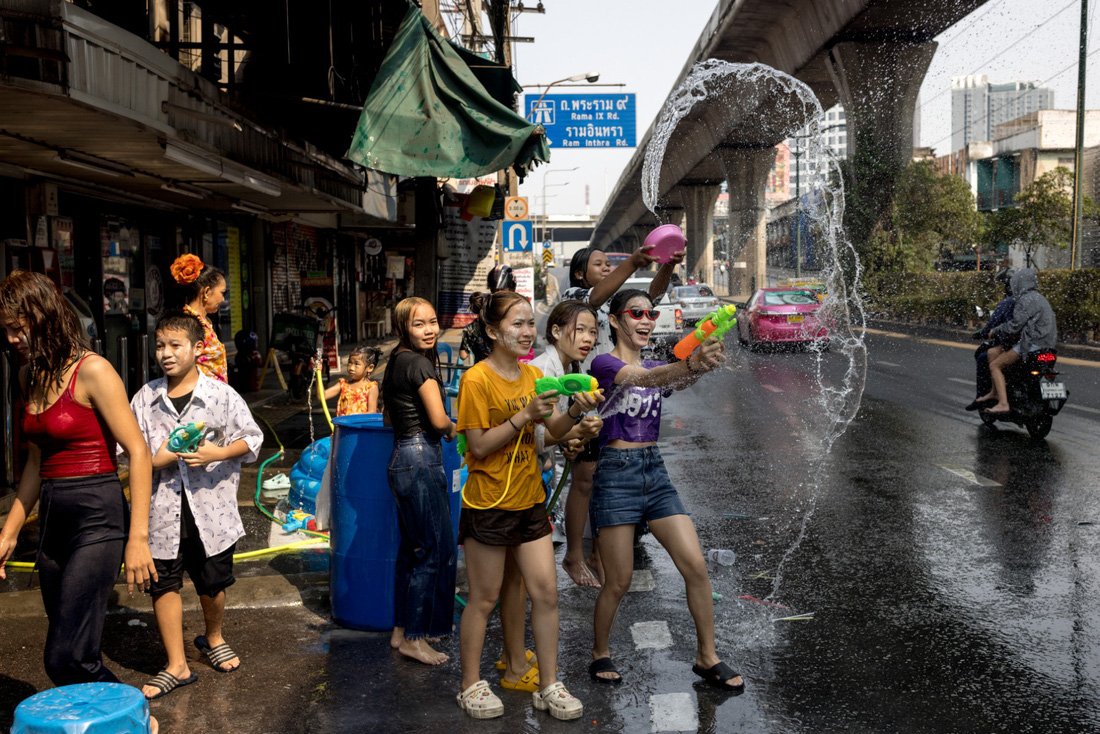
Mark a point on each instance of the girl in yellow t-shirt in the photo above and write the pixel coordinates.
(503, 523)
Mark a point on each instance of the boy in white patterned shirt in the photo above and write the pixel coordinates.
(194, 524)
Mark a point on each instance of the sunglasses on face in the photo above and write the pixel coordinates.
(638, 313)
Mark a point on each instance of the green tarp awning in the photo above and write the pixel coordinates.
(428, 115)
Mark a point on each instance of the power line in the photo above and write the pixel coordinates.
(968, 26)
(1004, 50)
(1006, 104)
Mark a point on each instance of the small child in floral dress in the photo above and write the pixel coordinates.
(358, 393)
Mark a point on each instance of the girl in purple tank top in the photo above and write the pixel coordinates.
(632, 484)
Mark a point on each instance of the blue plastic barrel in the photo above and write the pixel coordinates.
(365, 537)
(84, 708)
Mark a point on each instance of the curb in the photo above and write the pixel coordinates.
(249, 592)
(1065, 349)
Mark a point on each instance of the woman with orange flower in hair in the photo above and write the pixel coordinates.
(203, 294)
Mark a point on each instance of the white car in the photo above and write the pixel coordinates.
(696, 301)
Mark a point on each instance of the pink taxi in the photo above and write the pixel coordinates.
(781, 316)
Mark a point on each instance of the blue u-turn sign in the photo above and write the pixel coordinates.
(585, 120)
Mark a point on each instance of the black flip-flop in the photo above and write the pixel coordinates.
(717, 676)
(604, 665)
(216, 655)
(167, 683)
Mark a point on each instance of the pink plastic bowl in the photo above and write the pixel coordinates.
(666, 240)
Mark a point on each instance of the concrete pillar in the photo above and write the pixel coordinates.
(638, 233)
(878, 84)
(699, 202)
(747, 172)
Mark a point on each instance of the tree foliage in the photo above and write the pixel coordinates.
(932, 216)
(1042, 215)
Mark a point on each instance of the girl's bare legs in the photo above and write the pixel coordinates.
(513, 619)
(576, 515)
(677, 534)
(485, 573)
(535, 561)
(617, 544)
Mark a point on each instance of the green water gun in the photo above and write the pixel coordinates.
(567, 385)
(715, 324)
(186, 439)
(460, 444)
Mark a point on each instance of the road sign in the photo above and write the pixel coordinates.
(515, 207)
(548, 257)
(585, 120)
(547, 244)
(518, 236)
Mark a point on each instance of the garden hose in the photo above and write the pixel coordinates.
(324, 404)
(260, 478)
(557, 492)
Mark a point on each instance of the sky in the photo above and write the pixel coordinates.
(640, 44)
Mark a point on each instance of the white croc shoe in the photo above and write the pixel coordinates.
(480, 702)
(559, 702)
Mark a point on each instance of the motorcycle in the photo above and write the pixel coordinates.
(1035, 392)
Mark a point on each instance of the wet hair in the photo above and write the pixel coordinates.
(402, 317)
(618, 304)
(208, 278)
(565, 316)
(491, 308)
(370, 355)
(501, 278)
(177, 319)
(579, 264)
(53, 331)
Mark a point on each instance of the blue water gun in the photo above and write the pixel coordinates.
(299, 520)
(186, 439)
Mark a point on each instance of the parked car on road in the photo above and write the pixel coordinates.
(696, 301)
(781, 316)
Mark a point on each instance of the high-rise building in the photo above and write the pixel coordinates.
(977, 106)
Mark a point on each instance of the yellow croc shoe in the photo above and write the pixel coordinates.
(531, 660)
(529, 682)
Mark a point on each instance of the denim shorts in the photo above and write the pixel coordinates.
(631, 486)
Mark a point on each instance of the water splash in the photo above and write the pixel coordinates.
(722, 106)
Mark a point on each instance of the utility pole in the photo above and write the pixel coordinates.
(1079, 153)
(798, 210)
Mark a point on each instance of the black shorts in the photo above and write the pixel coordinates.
(590, 451)
(210, 575)
(504, 527)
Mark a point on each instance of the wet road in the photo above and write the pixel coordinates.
(949, 574)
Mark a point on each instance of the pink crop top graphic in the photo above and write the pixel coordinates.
(73, 438)
(630, 413)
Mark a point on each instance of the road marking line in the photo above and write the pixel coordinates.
(651, 635)
(1081, 407)
(1061, 360)
(887, 364)
(641, 580)
(773, 388)
(961, 381)
(969, 475)
(673, 712)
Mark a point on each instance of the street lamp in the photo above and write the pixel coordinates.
(544, 177)
(588, 76)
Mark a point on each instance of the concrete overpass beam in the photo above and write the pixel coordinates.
(878, 83)
(747, 172)
(699, 218)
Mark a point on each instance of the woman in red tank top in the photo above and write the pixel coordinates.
(76, 410)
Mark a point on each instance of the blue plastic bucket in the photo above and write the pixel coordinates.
(85, 708)
(365, 536)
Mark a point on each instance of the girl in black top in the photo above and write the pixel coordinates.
(414, 400)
